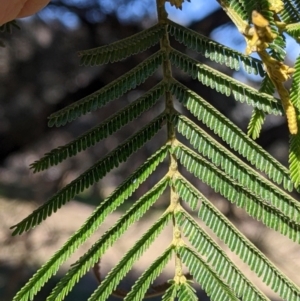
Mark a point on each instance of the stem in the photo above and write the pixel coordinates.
(173, 164)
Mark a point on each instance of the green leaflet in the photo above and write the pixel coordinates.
(215, 51)
(187, 293)
(92, 175)
(115, 89)
(122, 49)
(255, 125)
(267, 86)
(258, 263)
(237, 169)
(217, 258)
(290, 13)
(238, 7)
(123, 192)
(294, 149)
(208, 279)
(187, 192)
(105, 129)
(141, 286)
(255, 206)
(293, 30)
(88, 260)
(294, 158)
(258, 116)
(295, 91)
(225, 84)
(171, 292)
(237, 243)
(232, 135)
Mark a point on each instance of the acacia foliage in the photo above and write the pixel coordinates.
(259, 184)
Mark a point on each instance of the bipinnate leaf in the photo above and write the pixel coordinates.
(106, 128)
(92, 175)
(218, 259)
(112, 91)
(122, 193)
(232, 135)
(219, 165)
(239, 244)
(255, 206)
(225, 84)
(89, 259)
(236, 168)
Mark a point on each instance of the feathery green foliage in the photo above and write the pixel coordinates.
(237, 243)
(294, 155)
(114, 90)
(102, 131)
(215, 51)
(218, 259)
(122, 49)
(224, 84)
(255, 123)
(254, 205)
(171, 292)
(293, 30)
(237, 168)
(204, 275)
(92, 175)
(187, 292)
(290, 13)
(142, 284)
(122, 193)
(82, 266)
(232, 135)
(258, 116)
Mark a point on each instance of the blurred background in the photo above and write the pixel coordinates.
(40, 74)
